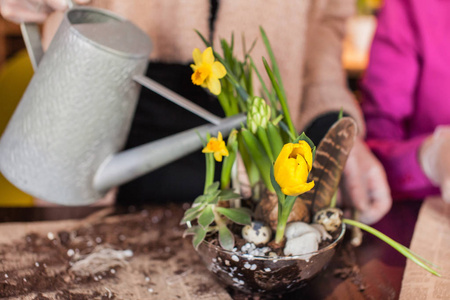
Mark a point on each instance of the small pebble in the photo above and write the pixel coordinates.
(70, 252)
(235, 258)
(113, 271)
(50, 236)
(150, 290)
(305, 244)
(98, 240)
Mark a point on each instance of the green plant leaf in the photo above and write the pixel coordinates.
(212, 188)
(226, 238)
(237, 215)
(200, 199)
(276, 187)
(213, 198)
(250, 167)
(259, 156)
(205, 41)
(262, 136)
(199, 236)
(206, 217)
(281, 98)
(304, 137)
(276, 143)
(276, 70)
(397, 246)
(192, 213)
(228, 195)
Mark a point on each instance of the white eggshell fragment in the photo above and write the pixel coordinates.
(297, 229)
(330, 218)
(304, 244)
(257, 233)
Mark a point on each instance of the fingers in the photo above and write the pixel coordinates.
(35, 11)
(366, 184)
(445, 190)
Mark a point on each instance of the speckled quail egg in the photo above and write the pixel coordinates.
(330, 218)
(257, 233)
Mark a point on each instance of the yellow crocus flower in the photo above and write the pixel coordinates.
(216, 146)
(292, 167)
(207, 72)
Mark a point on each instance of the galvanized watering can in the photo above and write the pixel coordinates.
(62, 143)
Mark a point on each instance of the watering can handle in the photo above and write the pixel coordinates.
(32, 38)
(177, 99)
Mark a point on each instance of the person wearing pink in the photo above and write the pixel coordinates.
(406, 97)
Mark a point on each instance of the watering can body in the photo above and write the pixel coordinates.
(62, 142)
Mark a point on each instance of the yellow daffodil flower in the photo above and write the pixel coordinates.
(292, 168)
(207, 72)
(216, 146)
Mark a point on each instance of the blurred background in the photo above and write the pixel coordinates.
(16, 71)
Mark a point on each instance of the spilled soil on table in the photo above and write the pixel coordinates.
(42, 264)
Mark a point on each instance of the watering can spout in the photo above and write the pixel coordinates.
(133, 163)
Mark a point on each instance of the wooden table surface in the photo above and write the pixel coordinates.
(371, 271)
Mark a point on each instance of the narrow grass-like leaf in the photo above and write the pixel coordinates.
(226, 238)
(250, 167)
(228, 162)
(397, 246)
(237, 215)
(262, 136)
(272, 99)
(277, 188)
(258, 155)
(304, 137)
(281, 98)
(205, 41)
(275, 68)
(286, 131)
(276, 143)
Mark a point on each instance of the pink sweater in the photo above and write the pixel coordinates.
(407, 89)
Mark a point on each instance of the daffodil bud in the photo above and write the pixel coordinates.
(258, 114)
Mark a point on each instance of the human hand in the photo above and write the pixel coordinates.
(364, 183)
(36, 11)
(434, 157)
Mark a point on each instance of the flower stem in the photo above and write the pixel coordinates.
(210, 166)
(284, 209)
(281, 226)
(397, 246)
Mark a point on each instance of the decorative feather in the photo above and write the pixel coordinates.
(331, 156)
